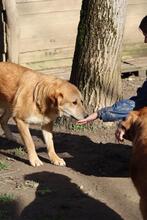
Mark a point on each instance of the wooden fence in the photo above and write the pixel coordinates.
(41, 34)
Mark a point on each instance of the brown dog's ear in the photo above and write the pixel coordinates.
(130, 120)
(43, 96)
(55, 99)
(60, 98)
(38, 96)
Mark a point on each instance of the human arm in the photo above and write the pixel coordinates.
(116, 112)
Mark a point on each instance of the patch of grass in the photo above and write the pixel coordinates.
(3, 165)
(70, 124)
(6, 198)
(19, 152)
(75, 127)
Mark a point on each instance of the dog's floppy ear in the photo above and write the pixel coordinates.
(36, 94)
(45, 95)
(59, 98)
(130, 120)
(40, 94)
(55, 98)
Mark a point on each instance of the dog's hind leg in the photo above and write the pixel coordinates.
(4, 124)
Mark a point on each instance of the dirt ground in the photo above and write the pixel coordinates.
(94, 185)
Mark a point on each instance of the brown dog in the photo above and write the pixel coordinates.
(135, 126)
(34, 98)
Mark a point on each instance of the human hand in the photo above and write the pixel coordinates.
(119, 133)
(90, 118)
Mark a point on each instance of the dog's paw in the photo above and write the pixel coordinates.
(35, 162)
(58, 161)
(119, 134)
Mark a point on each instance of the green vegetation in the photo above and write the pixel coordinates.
(19, 152)
(75, 127)
(3, 165)
(6, 198)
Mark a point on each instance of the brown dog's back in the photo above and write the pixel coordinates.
(9, 72)
(136, 123)
(139, 161)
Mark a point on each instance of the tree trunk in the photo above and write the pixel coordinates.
(97, 60)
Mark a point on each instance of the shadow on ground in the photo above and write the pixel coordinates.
(59, 199)
(81, 154)
(89, 158)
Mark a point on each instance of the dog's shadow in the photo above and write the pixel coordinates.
(81, 154)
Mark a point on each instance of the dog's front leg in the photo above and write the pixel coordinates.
(48, 137)
(27, 139)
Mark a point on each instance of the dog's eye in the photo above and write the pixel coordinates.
(75, 102)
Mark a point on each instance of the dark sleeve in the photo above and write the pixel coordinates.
(141, 91)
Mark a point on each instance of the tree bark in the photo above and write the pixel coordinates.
(97, 57)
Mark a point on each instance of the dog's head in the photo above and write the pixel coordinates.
(132, 125)
(59, 98)
(69, 101)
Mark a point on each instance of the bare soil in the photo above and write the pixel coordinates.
(94, 185)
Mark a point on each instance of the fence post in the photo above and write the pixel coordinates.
(12, 30)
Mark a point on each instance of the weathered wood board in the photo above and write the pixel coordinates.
(48, 30)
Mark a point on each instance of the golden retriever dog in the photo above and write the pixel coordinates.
(135, 127)
(34, 98)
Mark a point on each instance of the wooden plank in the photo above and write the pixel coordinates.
(41, 25)
(134, 50)
(49, 35)
(20, 1)
(136, 2)
(51, 54)
(26, 1)
(49, 64)
(129, 1)
(63, 72)
(130, 54)
(137, 9)
(39, 7)
(134, 64)
(52, 41)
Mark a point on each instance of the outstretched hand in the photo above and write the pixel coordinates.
(90, 118)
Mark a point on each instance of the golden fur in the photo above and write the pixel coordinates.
(34, 98)
(135, 126)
